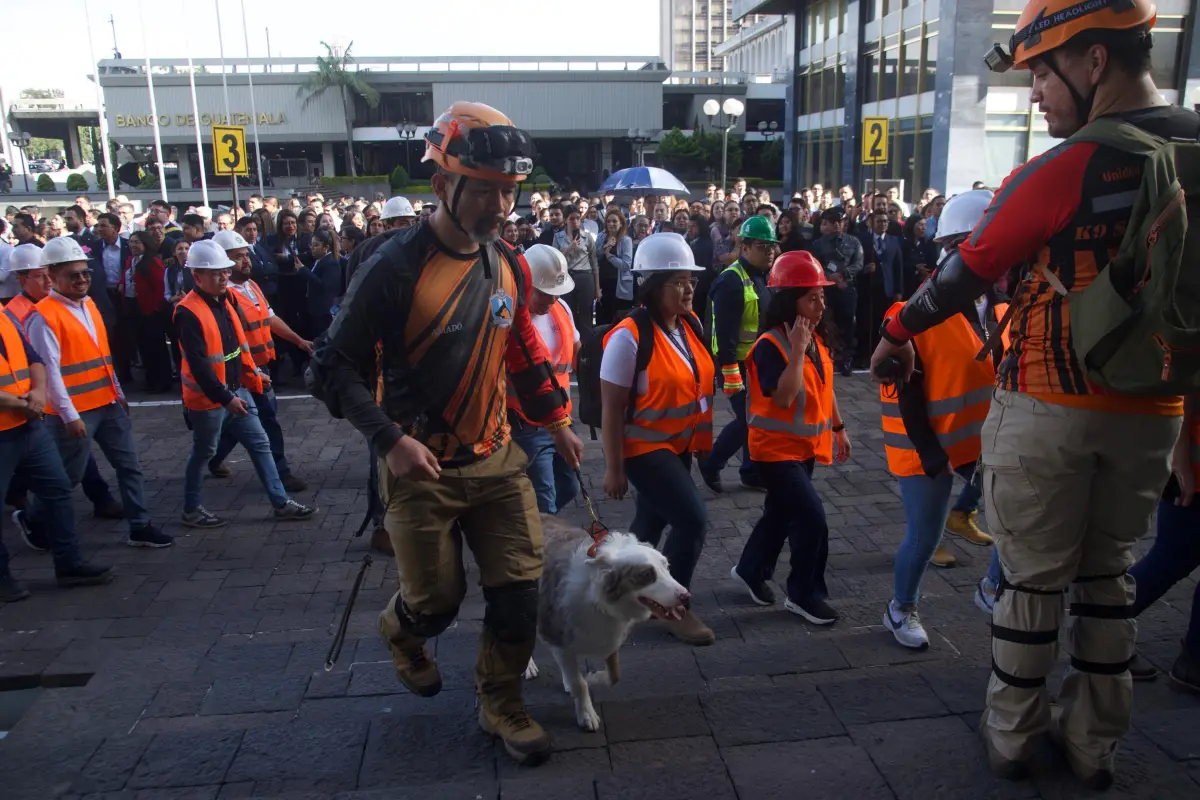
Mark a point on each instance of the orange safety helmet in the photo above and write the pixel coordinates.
(478, 141)
(1048, 24)
(797, 269)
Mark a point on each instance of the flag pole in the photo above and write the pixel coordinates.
(162, 173)
(107, 156)
(196, 115)
(253, 109)
(225, 89)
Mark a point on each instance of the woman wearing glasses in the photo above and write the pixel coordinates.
(656, 384)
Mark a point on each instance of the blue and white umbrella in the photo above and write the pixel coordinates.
(639, 181)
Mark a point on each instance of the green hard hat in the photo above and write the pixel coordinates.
(758, 227)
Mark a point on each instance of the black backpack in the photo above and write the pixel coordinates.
(592, 353)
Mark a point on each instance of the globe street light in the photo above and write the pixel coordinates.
(768, 131)
(724, 115)
(639, 137)
(407, 131)
(21, 141)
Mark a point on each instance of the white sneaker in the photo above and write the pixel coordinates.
(906, 627)
(985, 595)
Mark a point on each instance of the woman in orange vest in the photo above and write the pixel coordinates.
(1176, 552)
(794, 422)
(656, 385)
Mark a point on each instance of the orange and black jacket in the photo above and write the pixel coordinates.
(422, 344)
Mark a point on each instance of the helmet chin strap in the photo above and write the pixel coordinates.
(1083, 105)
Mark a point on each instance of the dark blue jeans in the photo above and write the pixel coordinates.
(732, 437)
(33, 453)
(267, 407)
(554, 483)
(666, 495)
(1175, 553)
(792, 513)
(843, 304)
(95, 489)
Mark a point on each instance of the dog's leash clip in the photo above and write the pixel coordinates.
(597, 530)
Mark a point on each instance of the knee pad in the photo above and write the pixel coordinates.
(424, 625)
(511, 612)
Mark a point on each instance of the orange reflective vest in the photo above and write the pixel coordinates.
(561, 361)
(194, 397)
(804, 429)
(19, 309)
(675, 413)
(958, 392)
(14, 371)
(85, 365)
(256, 323)
(1195, 446)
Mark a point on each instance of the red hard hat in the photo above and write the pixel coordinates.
(797, 270)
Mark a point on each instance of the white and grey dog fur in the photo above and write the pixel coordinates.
(587, 606)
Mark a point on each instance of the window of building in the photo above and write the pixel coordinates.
(873, 9)
(904, 160)
(910, 62)
(929, 57)
(829, 81)
(1166, 57)
(1003, 152)
(870, 78)
(890, 73)
(921, 172)
(816, 21)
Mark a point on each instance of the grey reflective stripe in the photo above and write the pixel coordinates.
(950, 405)
(260, 348)
(90, 386)
(1113, 202)
(748, 336)
(562, 369)
(639, 434)
(84, 366)
(900, 441)
(215, 359)
(252, 326)
(797, 428)
(191, 384)
(19, 375)
(659, 414)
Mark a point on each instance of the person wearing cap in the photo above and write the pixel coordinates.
(842, 256)
(86, 402)
(441, 315)
(28, 450)
(218, 377)
(655, 419)
(398, 214)
(736, 296)
(794, 422)
(259, 322)
(554, 481)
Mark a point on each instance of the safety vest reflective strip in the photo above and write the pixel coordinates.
(84, 364)
(802, 431)
(14, 372)
(194, 397)
(749, 330)
(256, 323)
(950, 405)
(19, 309)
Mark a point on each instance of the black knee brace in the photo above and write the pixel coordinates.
(511, 611)
(424, 625)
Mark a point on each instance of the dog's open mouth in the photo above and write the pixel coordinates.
(662, 612)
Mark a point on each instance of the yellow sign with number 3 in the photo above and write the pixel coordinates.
(229, 150)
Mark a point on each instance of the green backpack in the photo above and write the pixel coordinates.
(1146, 341)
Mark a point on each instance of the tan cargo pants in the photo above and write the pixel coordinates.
(1067, 492)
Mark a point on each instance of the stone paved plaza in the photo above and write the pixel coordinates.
(199, 674)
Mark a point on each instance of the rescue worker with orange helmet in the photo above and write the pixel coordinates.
(434, 326)
(1072, 470)
(794, 422)
(656, 390)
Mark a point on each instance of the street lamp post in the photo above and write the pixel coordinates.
(21, 141)
(768, 131)
(639, 138)
(728, 113)
(407, 131)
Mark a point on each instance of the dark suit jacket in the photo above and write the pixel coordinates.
(98, 291)
(889, 263)
(324, 286)
(263, 268)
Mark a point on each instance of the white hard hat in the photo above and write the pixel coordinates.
(25, 257)
(230, 240)
(61, 250)
(397, 207)
(204, 211)
(962, 213)
(665, 252)
(207, 254)
(548, 268)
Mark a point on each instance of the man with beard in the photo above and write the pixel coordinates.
(433, 328)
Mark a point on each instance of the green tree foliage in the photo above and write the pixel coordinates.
(76, 183)
(771, 159)
(149, 179)
(698, 155)
(45, 183)
(41, 94)
(398, 179)
(336, 71)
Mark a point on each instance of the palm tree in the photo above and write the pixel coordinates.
(335, 71)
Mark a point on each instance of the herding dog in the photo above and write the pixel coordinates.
(587, 605)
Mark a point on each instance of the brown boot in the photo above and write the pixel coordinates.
(502, 713)
(690, 630)
(1097, 778)
(415, 667)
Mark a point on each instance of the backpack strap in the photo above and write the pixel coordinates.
(645, 351)
(1121, 135)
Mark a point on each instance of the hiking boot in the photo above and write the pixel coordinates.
(293, 510)
(1002, 767)
(149, 536)
(1142, 670)
(690, 630)
(499, 682)
(1185, 673)
(11, 591)
(760, 591)
(523, 738)
(293, 483)
(83, 574)
(985, 595)
(962, 524)
(33, 536)
(381, 542)
(415, 667)
(109, 510)
(906, 626)
(942, 557)
(1098, 779)
(220, 470)
(817, 612)
(201, 518)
